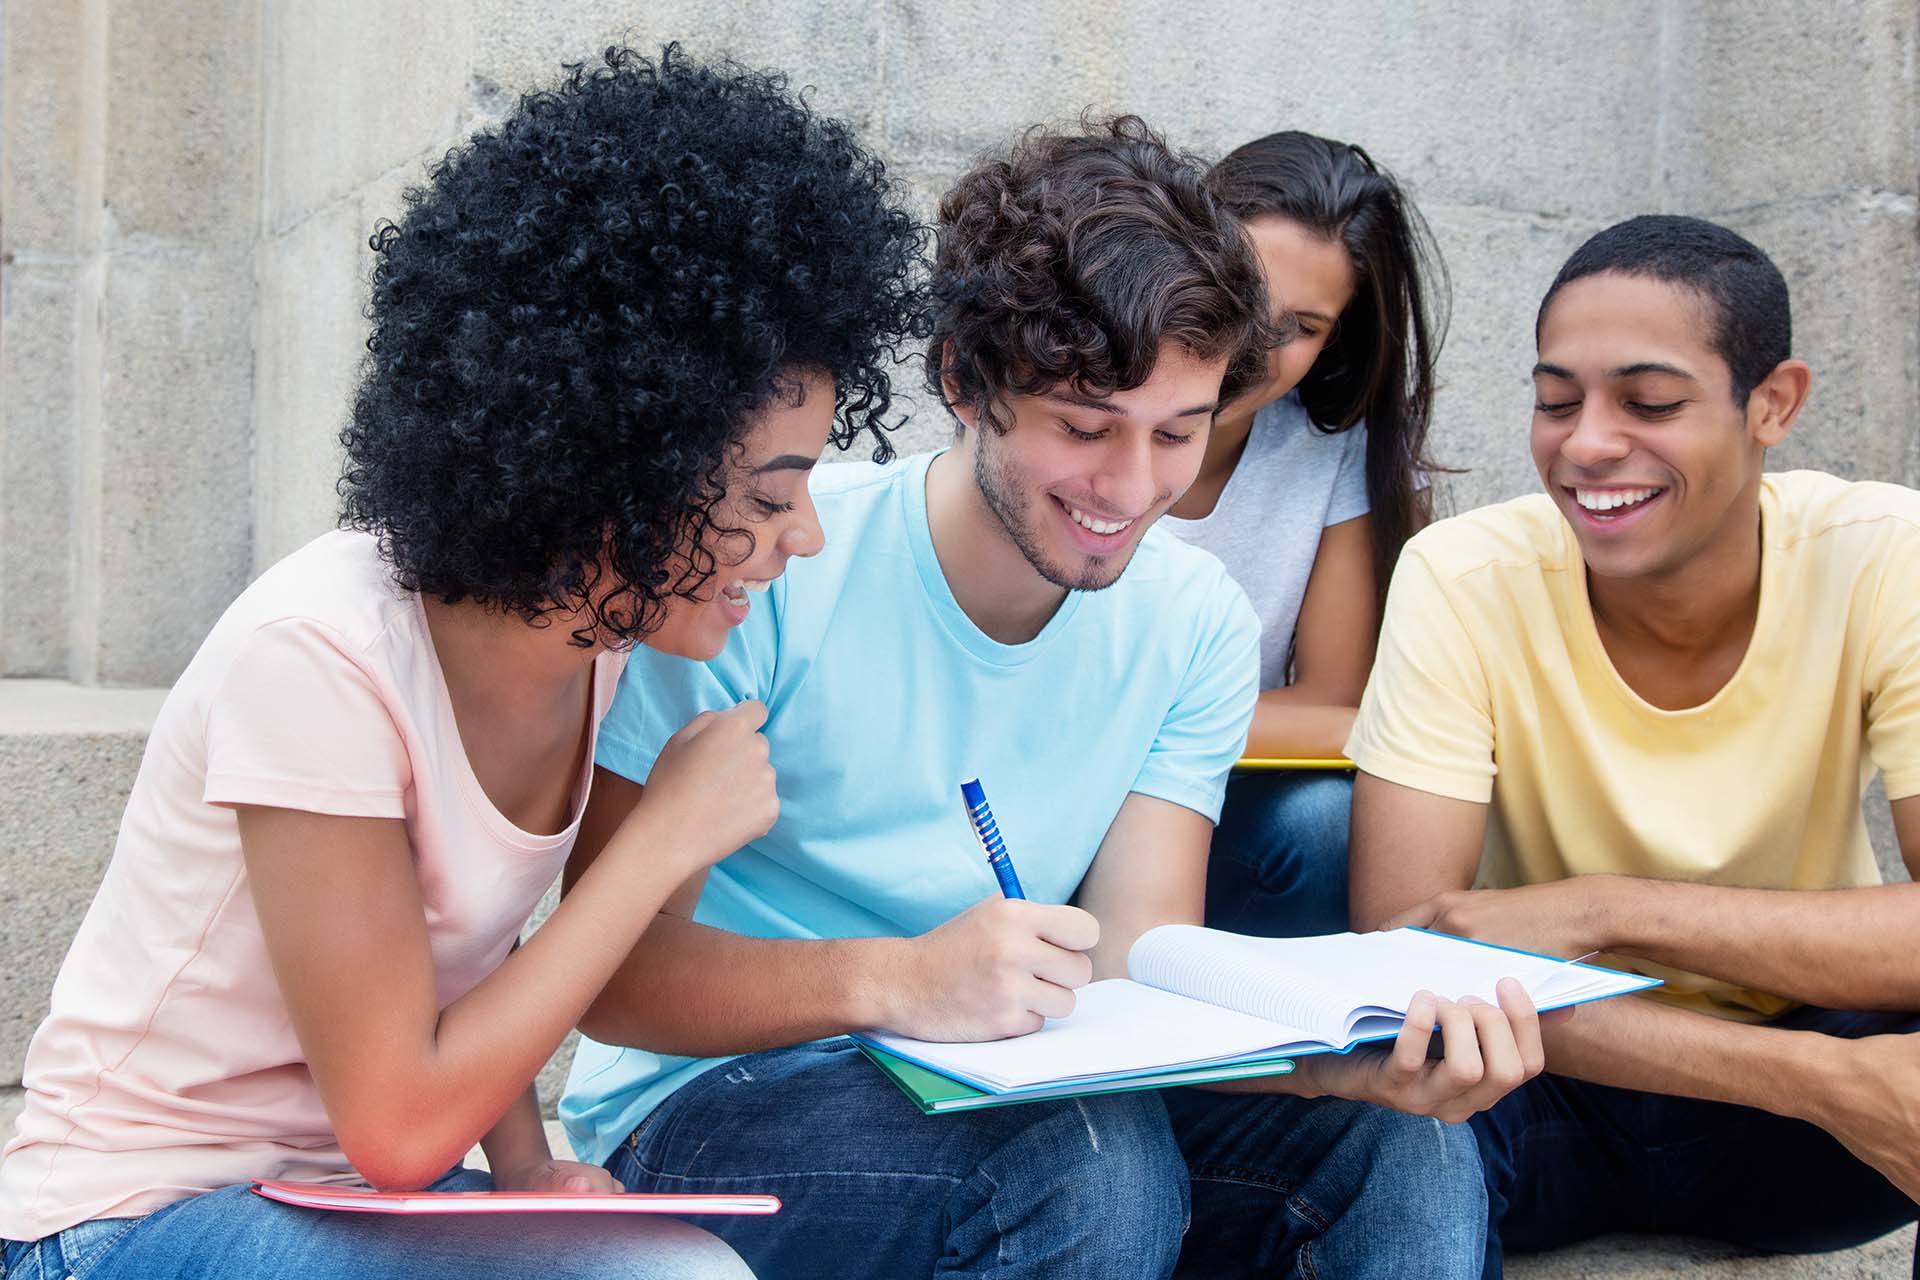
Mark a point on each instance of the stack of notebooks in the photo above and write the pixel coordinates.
(1200, 1005)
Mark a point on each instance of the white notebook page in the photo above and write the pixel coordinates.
(1329, 984)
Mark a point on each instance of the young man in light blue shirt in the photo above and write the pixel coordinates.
(1003, 609)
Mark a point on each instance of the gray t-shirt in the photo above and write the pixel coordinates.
(1291, 483)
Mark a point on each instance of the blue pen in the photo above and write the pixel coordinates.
(980, 818)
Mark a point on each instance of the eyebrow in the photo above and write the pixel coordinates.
(1321, 316)
(786, 462)
(1622, 371)
(1108, 407)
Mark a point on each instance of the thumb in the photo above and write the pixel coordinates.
(750, 712)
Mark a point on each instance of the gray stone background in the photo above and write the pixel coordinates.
(186, 188)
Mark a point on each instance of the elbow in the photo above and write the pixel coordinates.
(393, 1163)
(615, 1022)
(394, 1151)
(1367, 911)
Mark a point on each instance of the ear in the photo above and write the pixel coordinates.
(1775, 403)
(957, 404)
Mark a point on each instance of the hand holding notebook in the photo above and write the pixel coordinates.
(1200, 999)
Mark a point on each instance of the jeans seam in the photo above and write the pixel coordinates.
(1308, 1212)
(1244, 1176)
(77, 1268)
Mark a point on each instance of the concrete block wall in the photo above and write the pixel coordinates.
(186, 189)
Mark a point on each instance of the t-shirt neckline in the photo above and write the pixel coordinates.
(1273, 424)
(503, 827)
(939, 594)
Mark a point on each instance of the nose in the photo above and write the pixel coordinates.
(1125, 480)
(1595, 438)
(804, 536)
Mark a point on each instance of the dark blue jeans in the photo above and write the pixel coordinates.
(1564, 1161)
(1279, 861)
(1077, 1189)
(1302, 1188)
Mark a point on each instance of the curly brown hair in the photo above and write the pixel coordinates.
(1073, 258)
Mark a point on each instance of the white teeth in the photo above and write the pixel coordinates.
(1608, 499)
(736, 593)
(757, 585)
(1102, 527)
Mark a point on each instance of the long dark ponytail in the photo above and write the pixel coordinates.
(1378, 363)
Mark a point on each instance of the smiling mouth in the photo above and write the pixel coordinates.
(1611, 504)
(735, 592)
(1094, 524)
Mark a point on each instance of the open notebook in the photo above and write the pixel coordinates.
(1200, 1000)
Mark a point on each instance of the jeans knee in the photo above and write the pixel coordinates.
(1115, 1182)
(1451, 1186)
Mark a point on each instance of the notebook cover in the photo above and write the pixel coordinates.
(349, 1199)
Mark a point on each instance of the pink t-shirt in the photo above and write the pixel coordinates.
(167, 1065)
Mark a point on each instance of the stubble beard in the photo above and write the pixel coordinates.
(1002, 495)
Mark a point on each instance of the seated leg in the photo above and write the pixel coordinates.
(233, 1233)
(1300, 1187)
(1278, 867)
(1084, 1187)
(1566, 1160)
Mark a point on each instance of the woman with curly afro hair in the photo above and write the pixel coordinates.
(610, 337)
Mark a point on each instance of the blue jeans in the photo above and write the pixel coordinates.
(1279, 861)
(1076, 1189)
(1564, 1161)
(1301, 1187)
(233, 1232)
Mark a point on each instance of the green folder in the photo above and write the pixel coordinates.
(934, 1093)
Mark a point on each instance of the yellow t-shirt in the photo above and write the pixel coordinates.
(1492, 685)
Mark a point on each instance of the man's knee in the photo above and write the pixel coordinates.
(1099, 1175)
(1434, 1167)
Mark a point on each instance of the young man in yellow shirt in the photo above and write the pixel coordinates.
(1639, 713)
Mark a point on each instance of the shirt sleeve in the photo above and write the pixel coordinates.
(1349, 497)
(1893, 681)
(1205, 731)
(298, 723)
(1426, 719)
(659, 692)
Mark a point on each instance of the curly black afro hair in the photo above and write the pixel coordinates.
(582, 311)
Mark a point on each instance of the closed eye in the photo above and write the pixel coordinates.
(1654, 410)
(1555, 408)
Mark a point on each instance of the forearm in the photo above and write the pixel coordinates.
(484, 1049)
(1841, 948)
(1634, 1042)
(519, 1138)
(702, 992)
(1299, 722)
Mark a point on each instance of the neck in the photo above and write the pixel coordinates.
(498, 658)
(1698, 607)
(992, 582)
(1226, 442)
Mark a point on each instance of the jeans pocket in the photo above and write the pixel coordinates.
(85, 1244)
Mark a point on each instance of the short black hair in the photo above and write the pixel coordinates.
(1068, 261)
(1745, 294)
(585, 308)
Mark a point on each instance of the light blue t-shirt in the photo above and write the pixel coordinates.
(882, 696)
